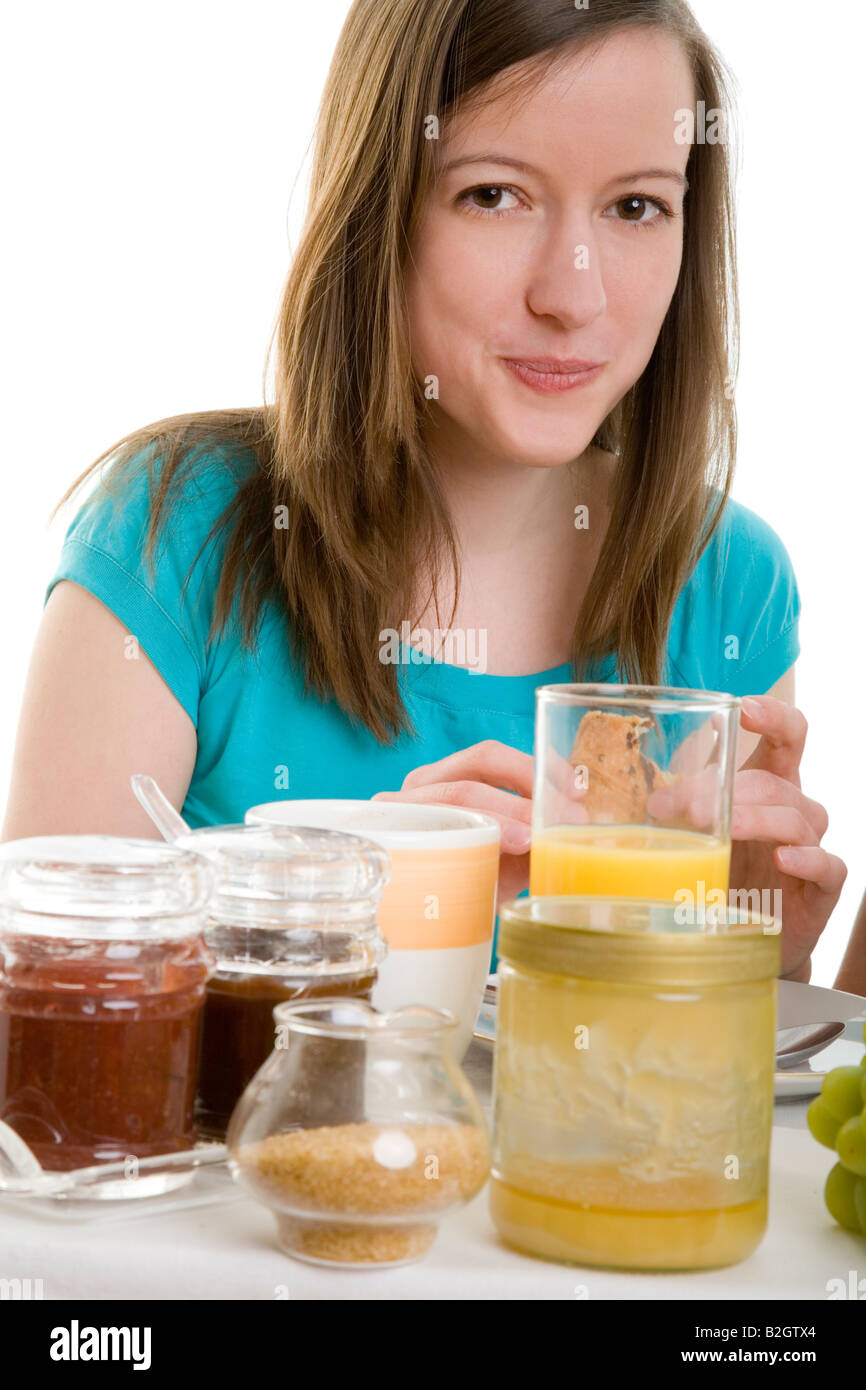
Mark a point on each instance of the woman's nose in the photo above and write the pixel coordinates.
(566, 280)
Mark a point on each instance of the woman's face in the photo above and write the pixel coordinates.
(573, 254)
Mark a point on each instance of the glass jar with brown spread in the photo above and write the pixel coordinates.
(102, 974)
(293, 916)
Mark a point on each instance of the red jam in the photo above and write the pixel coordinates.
(98, 1044)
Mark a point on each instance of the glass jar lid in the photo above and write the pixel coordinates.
(289, 874)
(357, 1019)
(101, 887)
(639, 940)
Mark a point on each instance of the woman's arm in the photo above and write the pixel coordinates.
(94, 711)
(852, 972)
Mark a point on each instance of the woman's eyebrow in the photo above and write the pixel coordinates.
(651, 174)
(490, 159)
(521, 164)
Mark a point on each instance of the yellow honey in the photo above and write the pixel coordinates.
(633, 1083)
(677, 1236)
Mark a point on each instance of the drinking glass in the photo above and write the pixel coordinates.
(633, 792)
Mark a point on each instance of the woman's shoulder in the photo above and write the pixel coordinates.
(163, 595)
(735, 624)
(207, 469)
(119, 510)
(746, 550)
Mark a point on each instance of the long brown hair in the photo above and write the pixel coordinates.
(340, 455)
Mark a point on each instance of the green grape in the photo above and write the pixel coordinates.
(860, 1202)
(822, 1123)
(840, 1092)
(851, 1146)
(840, 1195)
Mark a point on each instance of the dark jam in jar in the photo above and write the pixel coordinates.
(238, 1033)
(98, 1044)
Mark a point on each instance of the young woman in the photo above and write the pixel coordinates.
(502, 409)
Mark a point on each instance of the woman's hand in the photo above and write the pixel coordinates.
(473, 778)
(776, 830)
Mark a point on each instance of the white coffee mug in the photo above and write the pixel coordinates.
(439, 907)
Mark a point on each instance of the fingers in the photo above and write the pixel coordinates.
(513, 812)
(513, 877)
(699, 748)
(817, 866)
(489, 761)
(562, 775)
(695, 800)
(561, 793)
(784, 824)
(563, 808)
(823, 875)
(503, 768)
(783, 736)
(756, 786)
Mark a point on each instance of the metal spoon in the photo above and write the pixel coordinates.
(794, 1045)
(157, 805)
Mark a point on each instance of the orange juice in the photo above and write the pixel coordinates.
(627, 861)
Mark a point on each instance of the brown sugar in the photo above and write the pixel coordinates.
(347, 1169)
(378, 1174)
(329, 1242)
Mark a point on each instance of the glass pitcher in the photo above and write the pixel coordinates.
(359, 1132)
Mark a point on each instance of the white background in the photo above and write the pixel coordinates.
(156, 158)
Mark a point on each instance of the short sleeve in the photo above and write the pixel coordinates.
(739, 619)
(104, 552)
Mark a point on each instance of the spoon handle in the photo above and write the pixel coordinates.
(157, 805)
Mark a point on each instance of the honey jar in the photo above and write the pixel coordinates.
(633, 1081)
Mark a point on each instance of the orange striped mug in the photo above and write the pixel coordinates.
(439, 906)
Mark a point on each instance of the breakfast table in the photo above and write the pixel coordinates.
(225, 1249)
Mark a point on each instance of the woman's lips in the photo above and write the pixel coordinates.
(551, 377)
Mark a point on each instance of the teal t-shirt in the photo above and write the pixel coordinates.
(261, 738)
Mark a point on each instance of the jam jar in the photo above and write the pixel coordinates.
(293, 916)
(102, 974)
(633, 1081)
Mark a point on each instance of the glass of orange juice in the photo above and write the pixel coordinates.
(633, 792)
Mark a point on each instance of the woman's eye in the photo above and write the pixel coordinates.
(638, 209)
(486, 193)
(634, 209)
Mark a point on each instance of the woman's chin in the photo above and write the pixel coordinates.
(541, 452)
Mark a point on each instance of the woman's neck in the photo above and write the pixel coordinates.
(502, 508)
(526, 556)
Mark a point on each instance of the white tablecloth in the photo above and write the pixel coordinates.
(228, 1251)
